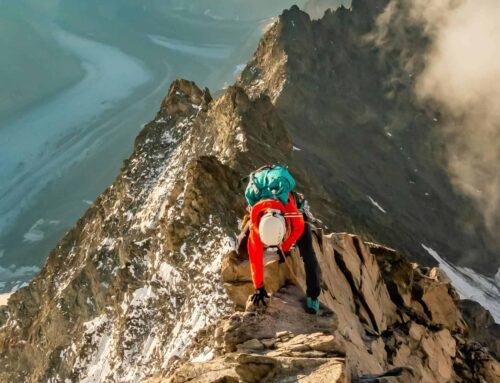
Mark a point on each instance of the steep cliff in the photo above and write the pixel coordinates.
(135, 290)
(350, 106)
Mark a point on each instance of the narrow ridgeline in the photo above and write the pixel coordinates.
(383, 320)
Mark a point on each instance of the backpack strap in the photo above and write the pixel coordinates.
(252, 182)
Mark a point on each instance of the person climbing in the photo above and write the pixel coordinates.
(277, 220)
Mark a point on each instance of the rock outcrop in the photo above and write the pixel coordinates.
(383, 319)
(482, 326)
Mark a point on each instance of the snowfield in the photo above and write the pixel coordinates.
(470, 284)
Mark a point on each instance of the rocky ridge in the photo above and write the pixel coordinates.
(383, 320)
(129, 287)
(134, 291)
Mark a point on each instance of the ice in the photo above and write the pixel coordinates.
(239, 68)
(240, 137)
(11, 273)
(209, 51)
(34, 234)
(205, 357)
(470, 284)
(376, 204)
(57, 125)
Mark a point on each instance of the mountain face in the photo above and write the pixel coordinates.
(148, 279)
(141, 268)
(350, 106)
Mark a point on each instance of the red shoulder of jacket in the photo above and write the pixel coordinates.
(261, 207)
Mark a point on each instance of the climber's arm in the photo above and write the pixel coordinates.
(295, 217)
(256, 255)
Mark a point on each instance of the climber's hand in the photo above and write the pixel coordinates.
(259, 295)
(282, 255)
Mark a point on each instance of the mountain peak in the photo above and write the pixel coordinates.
(183, 96)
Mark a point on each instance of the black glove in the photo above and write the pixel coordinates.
(283, 254)
(259, 296)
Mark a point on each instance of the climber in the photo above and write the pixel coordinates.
(277, 222)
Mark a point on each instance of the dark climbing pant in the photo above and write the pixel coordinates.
(311, 265)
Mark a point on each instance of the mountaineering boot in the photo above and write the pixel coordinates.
(312, 305)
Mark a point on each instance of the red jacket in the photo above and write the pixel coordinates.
(295, 224)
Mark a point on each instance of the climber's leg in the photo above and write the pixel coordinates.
(311, 265)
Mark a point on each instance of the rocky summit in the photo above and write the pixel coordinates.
(148, 286)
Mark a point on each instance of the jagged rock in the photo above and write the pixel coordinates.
(237, 278)
(269, 343)
(252, 345)
(256, 368)
(396, 375)
(439, 304)
(482, 326)
(345, 84)
(379, 331)
(209, 372)
(139, 272)
(290, 353)
(282, 315)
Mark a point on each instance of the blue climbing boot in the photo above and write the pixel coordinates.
(312, 306)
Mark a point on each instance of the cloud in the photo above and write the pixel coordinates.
(461, 74)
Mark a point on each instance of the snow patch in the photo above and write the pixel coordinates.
(204, 357)
(238, 69)
(376, 204)
(141, 295)
(470, 284)
(4, 299)
(240, 137)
